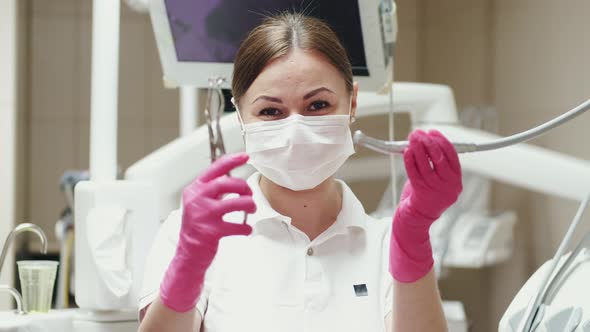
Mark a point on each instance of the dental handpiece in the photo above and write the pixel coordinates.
(396, 147)
(393, 147)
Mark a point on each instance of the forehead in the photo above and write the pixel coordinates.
(295, 74)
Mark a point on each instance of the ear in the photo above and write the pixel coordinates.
(355, 90)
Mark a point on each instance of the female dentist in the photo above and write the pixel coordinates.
(309, 257)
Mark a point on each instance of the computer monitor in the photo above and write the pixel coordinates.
(198, 39)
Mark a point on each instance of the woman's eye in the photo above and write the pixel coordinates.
(269, 112)
(318, 105)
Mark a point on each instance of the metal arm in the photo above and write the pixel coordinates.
(17, 297)
(26, 227)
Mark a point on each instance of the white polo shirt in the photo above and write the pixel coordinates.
(276, 279)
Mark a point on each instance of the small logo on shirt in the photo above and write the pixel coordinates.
(361, 290)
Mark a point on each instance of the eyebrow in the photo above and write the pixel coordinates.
(316, 91)
(273, 99)
(307, 96)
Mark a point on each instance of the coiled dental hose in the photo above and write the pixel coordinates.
(393, 147)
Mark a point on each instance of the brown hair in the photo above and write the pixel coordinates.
(278, 35)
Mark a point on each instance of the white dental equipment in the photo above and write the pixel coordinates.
(542, 288)
(391, 147)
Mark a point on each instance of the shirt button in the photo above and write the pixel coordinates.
(310, 251)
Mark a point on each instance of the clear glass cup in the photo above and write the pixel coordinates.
(37, 279)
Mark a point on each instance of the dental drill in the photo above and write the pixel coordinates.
(397, 147)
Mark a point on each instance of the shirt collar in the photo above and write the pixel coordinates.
(263, 209)
(352, 214)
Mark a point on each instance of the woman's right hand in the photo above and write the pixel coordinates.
(202, 228)
(434, 184)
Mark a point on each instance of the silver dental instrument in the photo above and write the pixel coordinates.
(533, 309)
(393, 147)
(213, 115)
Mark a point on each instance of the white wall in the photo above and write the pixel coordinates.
(8, 124)
(59, 114)
(541, 68)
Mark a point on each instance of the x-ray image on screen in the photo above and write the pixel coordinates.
(212, 30)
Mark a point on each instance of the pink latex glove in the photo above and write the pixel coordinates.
(434, 184)
(202, 228)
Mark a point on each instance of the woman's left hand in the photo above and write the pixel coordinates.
(434, 184)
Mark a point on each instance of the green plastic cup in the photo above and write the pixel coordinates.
(37, 279)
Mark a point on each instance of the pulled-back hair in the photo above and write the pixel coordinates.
(276, 36)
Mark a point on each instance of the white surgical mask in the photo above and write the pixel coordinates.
(299, 152)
